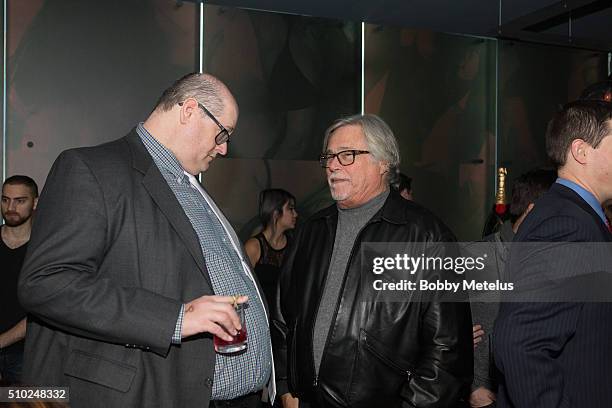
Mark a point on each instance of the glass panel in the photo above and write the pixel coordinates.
(291, 75)
(437, 92)
(82, 73)
(534, 81)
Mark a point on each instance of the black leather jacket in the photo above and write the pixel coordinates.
(415, 353)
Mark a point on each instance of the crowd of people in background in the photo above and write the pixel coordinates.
(130, 276)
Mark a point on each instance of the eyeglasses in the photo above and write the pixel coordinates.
(345, 157)
(224, 135)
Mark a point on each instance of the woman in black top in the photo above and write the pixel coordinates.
(266, 249)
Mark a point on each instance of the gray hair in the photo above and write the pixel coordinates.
(380, 139)
(204, 88)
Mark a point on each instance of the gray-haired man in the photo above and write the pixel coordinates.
(342, 348)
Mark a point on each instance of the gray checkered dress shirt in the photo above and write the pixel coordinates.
(235, 375)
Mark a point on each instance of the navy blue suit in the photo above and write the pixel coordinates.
(555, 354)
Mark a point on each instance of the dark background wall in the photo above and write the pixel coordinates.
(85, 72)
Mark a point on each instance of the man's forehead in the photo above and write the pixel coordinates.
(14, 190)
(229, 118)
(347, 137)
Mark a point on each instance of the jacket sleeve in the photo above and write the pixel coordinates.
(545, 328)
(60, 281)
(279, 323)
(443, 374)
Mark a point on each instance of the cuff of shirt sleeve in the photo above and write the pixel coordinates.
(176, 337)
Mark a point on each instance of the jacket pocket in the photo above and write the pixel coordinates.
(100, 370)
(378, 376)
(374, 346)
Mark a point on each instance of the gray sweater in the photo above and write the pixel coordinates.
(350, 222)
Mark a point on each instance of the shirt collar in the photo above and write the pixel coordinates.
(160, 153)
(585, 195)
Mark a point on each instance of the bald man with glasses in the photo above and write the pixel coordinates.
(132, 268)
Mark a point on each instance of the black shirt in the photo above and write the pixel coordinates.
(11, 311)
(268, 267)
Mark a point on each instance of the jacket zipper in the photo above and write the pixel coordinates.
(386, 360)
(316, 379)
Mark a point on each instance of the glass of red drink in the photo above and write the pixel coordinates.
(239, 341)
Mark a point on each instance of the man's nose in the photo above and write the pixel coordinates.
(334, 164)
(12, 205)
(222, 149)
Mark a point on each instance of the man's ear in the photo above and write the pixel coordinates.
(188, 109)
(578, 150)
(35, 203)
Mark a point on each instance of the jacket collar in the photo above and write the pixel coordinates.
(392, 211)
(141, 159)
(164, 198)
(576, 198)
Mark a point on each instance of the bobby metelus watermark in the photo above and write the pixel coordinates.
(518, 272)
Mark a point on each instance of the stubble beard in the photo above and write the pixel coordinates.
(15, 221)
(338, 193)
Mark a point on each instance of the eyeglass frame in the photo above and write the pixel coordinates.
(219, 140)
(329, 157)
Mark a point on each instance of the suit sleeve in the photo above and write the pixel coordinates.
(528, 339)
(444, 371)
(60, 281)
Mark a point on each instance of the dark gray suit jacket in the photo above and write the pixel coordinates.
(557, 354)
(111, 259)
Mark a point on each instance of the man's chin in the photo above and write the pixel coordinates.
(338, 196)
(14, 222)
(205, 165)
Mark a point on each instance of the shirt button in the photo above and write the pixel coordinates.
(208, 381)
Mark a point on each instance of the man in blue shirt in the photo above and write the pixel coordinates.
(554, 351)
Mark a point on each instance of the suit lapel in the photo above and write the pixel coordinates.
(157, 187)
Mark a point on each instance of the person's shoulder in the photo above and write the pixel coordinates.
(559, 215)
(315, 223)
(555, 226)
(253, 250)
(90, 152)
(252, 242)
(118, 147)
(322, 214)
(560, 200)
(398, 210)
(109, 155)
